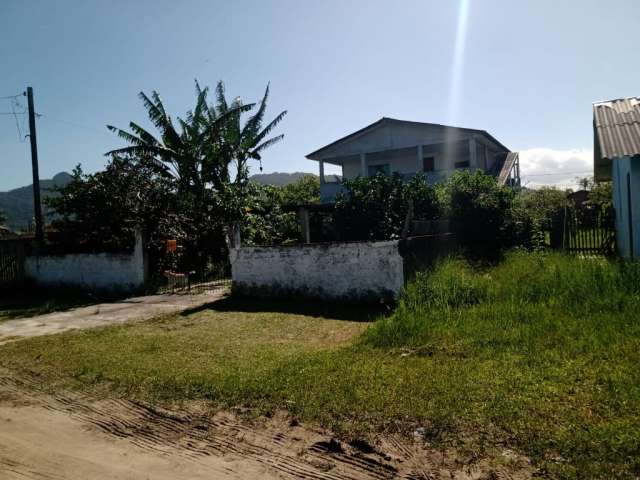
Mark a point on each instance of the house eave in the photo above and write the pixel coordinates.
(317, 154)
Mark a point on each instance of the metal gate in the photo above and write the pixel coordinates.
(589, 231)
(191, 274)
(12, 253)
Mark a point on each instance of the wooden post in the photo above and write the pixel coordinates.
(37, 207)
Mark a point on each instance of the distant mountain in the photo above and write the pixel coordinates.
(278, 179)
(17, 204)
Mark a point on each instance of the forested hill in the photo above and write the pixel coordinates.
(278, 179)
(17, 204)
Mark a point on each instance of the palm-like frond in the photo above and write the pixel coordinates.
(266, 144)
(266, 130)
(252, 126)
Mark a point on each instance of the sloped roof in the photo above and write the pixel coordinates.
(387, 120)
(617, 128)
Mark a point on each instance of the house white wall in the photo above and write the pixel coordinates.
(345, 271)
(102, 271)
(397, 144)
(626, 193)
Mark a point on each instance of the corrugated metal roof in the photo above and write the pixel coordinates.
(617, 126)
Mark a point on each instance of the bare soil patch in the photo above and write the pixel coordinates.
(72, 435)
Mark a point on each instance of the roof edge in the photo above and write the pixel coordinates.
(383, 120)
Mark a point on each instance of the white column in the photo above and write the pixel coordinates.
(419, 166)
(321, 163)
(473, 161)
(363, 165)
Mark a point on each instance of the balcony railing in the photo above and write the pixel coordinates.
(329, 190)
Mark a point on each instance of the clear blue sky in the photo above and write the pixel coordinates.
(527, 72)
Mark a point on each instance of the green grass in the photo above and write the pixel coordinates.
(540, 353)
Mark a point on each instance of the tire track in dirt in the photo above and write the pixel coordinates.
(290, 451)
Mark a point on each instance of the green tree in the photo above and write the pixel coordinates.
(198, 155)
(100, 211)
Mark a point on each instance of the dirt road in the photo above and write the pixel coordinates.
(73, 436)
(136, 308)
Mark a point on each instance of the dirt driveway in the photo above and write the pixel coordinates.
(73, 436)
(135, 308)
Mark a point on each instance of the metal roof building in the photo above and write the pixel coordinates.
(616, 125)
(616, 157)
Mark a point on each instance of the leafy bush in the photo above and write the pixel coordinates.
(478, 209)
(375, 208)
(269, 218)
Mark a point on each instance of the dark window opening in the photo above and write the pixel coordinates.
(464, 164)
(385, 169)
(428, 164)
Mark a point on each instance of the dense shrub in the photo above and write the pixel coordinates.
(478, 209)
(270, 217)
(375, 208)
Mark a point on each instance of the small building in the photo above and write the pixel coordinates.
(616, 125)
(398, 146)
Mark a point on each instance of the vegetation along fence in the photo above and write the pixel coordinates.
(11, 262)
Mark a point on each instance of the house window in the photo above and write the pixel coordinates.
(464, 164)
(385, 169)
(428, 164)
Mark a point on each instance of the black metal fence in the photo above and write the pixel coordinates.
(12, 254)
(589, 231)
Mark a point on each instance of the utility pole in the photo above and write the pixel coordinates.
(37, 208)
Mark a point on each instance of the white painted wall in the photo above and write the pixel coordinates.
(93, 271)
(346, 271)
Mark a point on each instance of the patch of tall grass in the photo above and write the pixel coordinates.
(532, 293)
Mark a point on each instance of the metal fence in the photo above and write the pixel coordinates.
(589, 232)
(12, 253)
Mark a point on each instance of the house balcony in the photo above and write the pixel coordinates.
(329, 190)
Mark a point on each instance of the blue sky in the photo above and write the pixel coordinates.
(527, 72)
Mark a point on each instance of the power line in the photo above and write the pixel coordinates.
(557, 173)
(91, 129)
(12, 96)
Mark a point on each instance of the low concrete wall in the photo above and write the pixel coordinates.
(345, 271)
(102, 271)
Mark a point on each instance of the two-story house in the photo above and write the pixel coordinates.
(391, 145)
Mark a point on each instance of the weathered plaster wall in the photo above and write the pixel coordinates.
(92, 271)
(346, 271)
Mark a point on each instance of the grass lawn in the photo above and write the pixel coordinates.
(540, 354)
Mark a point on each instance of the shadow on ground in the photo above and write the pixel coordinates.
(313, 308)
(30, 300)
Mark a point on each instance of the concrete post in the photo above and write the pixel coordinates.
(140, 257)
(473, 161)
(321, 164)
(419, 166)
(363, 165)
(303, 216)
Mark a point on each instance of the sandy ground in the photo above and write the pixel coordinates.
(74, 436)
(136, 308)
